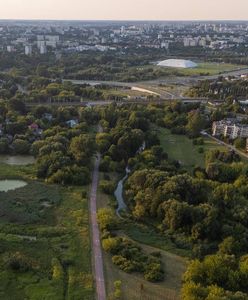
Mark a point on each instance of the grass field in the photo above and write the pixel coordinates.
(207, 68)
(13, 171)
(135, 287)
(145, 234)
(45, 251)
(131, 283)
(181, 148)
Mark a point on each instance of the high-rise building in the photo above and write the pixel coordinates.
(10, 49)
(28, 50)
(43, 49)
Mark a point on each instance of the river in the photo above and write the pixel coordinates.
(119, 190)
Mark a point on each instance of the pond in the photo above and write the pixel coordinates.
(10, 185)
(20, 160)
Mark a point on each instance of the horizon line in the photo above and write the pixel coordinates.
(130, 20)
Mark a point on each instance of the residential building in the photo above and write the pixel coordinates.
(229, 128)
(28, 50)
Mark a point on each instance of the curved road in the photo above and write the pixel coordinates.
(96, 242)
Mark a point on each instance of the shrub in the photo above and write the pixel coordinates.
(106, 219)
(18, 262)
(107, 187)
(123, 263)
(111, 244)
(154, 272)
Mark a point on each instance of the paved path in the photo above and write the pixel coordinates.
(96, 243)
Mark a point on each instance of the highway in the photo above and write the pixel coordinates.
(169, 79)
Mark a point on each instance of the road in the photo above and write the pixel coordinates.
(230, 147)
(95, 236)
(185, 80)
(144, 87)
(108, 102)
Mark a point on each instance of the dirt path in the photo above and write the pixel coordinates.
(96, 243)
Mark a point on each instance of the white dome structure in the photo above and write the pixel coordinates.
(177, 63)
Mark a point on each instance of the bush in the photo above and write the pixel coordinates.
(111, 244)
(107, 187)
(123, 263)
(106, 219)
(154, 272)
(18, 262)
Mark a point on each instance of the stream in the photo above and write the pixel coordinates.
(119, 190)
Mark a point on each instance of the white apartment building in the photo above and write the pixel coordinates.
(228, 128)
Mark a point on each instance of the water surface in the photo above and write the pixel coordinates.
(10, 185)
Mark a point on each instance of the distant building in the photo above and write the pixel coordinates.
(28, 50)
(177, 63)
(43, 49)
(72, 123)
(10, 49)
(52, 38)
(41, 43)
(40, 37)
(165, 45)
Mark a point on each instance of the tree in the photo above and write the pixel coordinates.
(106, 219)
(107, 187)
(240, 143)
(21, 146)
(82, 147)
(195, 123)
(4, 145)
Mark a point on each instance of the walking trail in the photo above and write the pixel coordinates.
(96, 243)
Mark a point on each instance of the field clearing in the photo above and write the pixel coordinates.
(142, 233)
(181, 148)
(133, 285)
(16, 172)
(45, 251)
(204, 69)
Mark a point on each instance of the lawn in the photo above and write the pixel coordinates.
(210, 69)
(14, 171)
(145, 234)
(45, 250)
(181, 148)
(135, 287)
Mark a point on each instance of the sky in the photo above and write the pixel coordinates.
(125, 9)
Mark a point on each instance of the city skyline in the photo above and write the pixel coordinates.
(124, 10)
